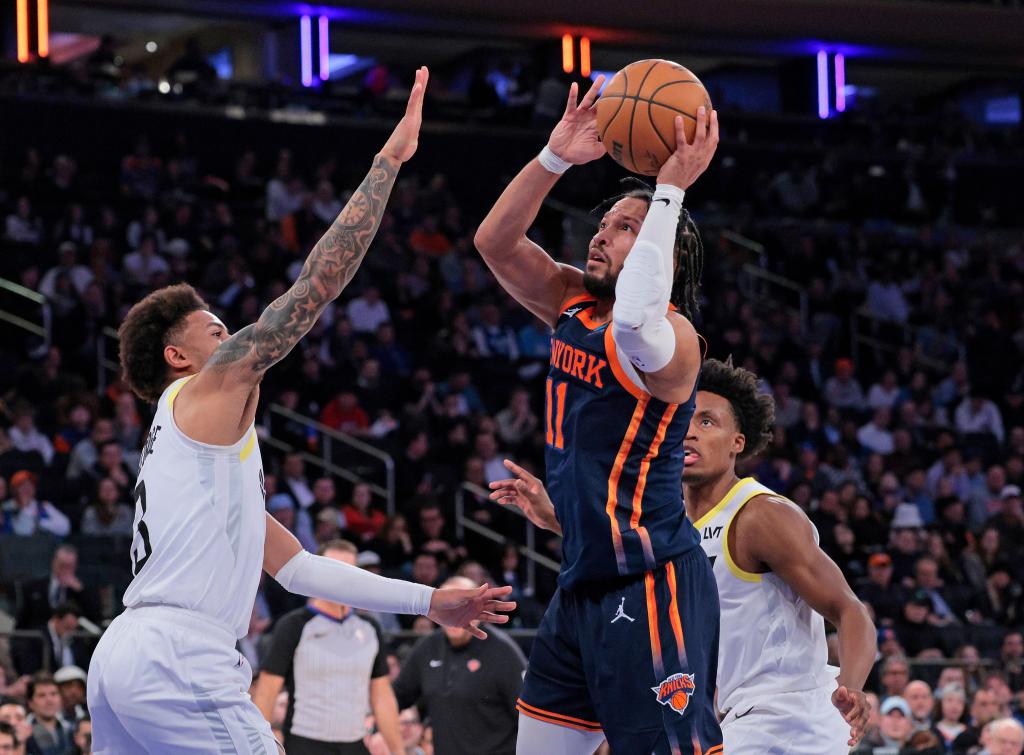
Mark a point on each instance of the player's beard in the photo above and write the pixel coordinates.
(600, 286)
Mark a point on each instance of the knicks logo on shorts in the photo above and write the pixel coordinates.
(676, 691)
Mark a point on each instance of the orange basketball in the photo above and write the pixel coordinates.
(678, 700)
(636, 113)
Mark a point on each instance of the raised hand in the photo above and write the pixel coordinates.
(467, 609)
(404, 139)
(853, 705)
(690, 160)
(527, 493)
(575, 138)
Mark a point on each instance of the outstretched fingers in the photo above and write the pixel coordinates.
(493, 618)
(500, 605)
(592, 94)
(495, 593)
(570, 105)
(415, 104)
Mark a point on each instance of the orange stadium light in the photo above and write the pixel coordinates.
(43, 25)
(23, 31)
(567, 61)
(585, 57)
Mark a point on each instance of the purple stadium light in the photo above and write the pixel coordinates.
(306, 50)
(325, 49)
(822, 84)
(840, 64)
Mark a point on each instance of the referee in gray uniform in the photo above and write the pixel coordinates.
(334, 665)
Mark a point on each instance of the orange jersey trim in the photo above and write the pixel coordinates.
(613, 361)
(572, 301)
(645, 464)
(613, 478)
(652, 625)
(545, 715)
(716, 750)
(677, 625)
(588, 321)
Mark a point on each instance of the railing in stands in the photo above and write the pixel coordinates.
(108, 368)
(771, 289)
(932, 348)
(16, 303)
(747, 247)
(328, 437)
(529, 551)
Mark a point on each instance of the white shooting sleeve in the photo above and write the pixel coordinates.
(644, 287)
(328, 579)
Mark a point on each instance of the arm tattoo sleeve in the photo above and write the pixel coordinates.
(328, 269)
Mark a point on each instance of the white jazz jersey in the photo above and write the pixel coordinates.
(771, 641)
(199, 523)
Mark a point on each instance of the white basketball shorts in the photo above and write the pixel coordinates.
(165, 680)
(790, 723)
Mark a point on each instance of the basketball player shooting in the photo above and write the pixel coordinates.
(166, 676)
(627, 649)
(776, 691)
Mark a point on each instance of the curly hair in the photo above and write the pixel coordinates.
(689, 249)
(147, 329)
(754, 411)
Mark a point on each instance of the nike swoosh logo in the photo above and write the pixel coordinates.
(741, 715)
(435, 664)
(662, 199)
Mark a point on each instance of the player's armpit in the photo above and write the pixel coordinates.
(674, 382)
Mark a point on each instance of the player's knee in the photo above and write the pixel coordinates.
(540, 736)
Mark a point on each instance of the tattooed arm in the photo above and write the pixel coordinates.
(328, 269)
(221, 401)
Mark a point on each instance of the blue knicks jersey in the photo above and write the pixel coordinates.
(614, 457)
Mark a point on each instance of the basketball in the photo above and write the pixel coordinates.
(636, 113)
(679, 700)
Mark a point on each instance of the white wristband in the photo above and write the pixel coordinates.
(552, 162)
(319, 577)
(671, 192)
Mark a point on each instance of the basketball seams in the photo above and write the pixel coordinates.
(636, 101)
(654, 147)
(673, 83)
(625, 88)
(654, 128)
(659, 104)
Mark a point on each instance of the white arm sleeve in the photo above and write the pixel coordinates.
(644, 286)
(319, 577)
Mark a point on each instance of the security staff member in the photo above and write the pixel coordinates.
(466, 687)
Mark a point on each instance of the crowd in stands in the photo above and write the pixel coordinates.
(905, 445)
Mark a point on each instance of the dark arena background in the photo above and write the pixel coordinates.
(862, 225)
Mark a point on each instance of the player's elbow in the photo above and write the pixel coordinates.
(484, 239)
(848, 612)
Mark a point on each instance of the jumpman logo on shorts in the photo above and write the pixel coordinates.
(621, 614)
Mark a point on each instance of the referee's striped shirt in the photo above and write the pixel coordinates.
(327, 665)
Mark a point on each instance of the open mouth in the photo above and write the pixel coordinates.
(690, 456)
(596, 256)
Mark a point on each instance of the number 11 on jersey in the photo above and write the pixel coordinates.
(553, 433)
